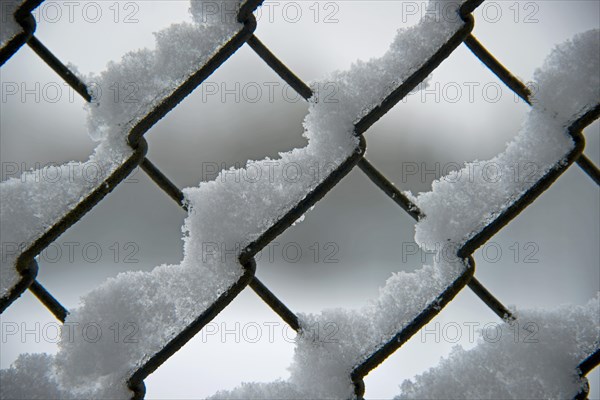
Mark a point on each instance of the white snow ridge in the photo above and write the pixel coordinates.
(539, 363)
(34, 202)
(321, 369)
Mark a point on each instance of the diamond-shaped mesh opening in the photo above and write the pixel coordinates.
(425, 138)
(212, 141)
(239, 342)
(541, 254)
(460, 324)
(338, 270)
(126, 26)
(326, 22)
(29, 87)
(104, 244)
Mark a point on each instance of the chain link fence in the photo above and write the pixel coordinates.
(27, 266)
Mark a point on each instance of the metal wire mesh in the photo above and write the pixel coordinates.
(27, 265)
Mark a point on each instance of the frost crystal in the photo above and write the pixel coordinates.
(9, 28)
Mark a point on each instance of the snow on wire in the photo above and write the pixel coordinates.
(172, 302)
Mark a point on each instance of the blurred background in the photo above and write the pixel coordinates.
(355, 237)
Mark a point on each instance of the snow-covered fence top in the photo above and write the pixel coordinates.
(171, 303)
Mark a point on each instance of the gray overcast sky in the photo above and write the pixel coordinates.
(366, 228)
